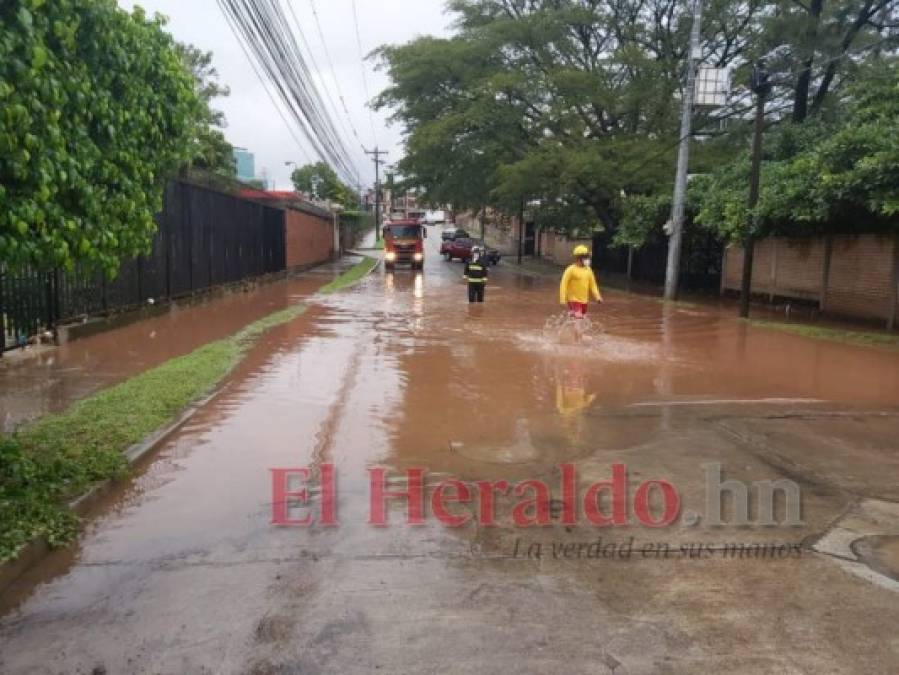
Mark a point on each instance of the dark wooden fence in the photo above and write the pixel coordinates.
(206, 238)
(701, 257)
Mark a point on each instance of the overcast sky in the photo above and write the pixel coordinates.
(253, 122)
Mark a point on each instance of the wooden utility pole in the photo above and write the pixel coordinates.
(894, 286)
(761, 87)
(376, 158)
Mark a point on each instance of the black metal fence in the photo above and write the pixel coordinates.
(206, 238)
(701, 257)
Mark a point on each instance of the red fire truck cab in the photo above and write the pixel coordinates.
(404, 243)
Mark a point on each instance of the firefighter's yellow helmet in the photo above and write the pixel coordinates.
(580, 250)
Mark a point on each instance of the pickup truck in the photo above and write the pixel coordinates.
(461, 248)
(452, 233)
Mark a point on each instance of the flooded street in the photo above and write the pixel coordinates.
(181, 570)
(46, 380)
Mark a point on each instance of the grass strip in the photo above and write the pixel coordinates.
(60, 456)
(351, 276)
(852, 337)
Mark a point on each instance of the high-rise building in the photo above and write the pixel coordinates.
(246, 164)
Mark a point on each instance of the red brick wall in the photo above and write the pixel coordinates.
(309, 239)
(861, 272)
(860, 276)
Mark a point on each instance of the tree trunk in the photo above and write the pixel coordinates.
(865, 14)
(803, 82)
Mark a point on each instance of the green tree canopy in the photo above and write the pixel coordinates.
(567, 104)
(211, 150)
(574, 104)
(320, 179)
(836, 175)
(96, 111)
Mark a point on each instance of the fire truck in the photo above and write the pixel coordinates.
(404, 243)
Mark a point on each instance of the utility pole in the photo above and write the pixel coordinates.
(520, 229)
(761, 87)
(675, 226)
(376, 158)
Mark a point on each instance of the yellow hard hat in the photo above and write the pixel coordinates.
(581, 250)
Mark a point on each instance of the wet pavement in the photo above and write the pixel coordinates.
(181, 571)
(41, 380)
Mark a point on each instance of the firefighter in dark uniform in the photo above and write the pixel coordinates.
(476, 276)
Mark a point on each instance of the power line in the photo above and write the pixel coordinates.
(315, 66)
(324, 42)
(268, 92)
(263, 27)
(371, 119)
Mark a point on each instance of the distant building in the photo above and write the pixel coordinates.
(246, 164)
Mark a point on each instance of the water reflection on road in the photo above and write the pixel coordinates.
(181, 568)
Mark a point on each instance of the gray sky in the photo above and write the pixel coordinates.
(253, 122)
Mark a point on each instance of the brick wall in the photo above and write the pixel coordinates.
(502, 237)
(781, 267)
(860, 277)
(557, 248)
(858, 282)
(309, 238)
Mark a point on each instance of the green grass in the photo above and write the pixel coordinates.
(351, 276)
(832, 334)
(59, 457)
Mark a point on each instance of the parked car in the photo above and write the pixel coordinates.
(461, 248)
(452, 233)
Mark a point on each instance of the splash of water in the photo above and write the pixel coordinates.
(563, 329)
(559, 339)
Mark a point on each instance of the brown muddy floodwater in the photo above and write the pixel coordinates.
(181, 570)
(36, 382)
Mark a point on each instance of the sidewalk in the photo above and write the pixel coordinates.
(41, 380)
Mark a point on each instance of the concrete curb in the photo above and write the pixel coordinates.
(380, 262)
(38, 548)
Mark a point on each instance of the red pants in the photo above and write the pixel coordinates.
(577, 310)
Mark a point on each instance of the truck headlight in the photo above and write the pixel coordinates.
(418, 257)
(390, 256)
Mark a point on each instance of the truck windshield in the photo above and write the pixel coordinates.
(404, 230)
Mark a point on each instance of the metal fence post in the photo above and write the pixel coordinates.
(57, 297)
(48, 299)
(2, 315)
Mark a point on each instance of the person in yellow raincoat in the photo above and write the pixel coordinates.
(579, 284)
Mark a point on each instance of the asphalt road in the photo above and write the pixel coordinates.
(182, 570)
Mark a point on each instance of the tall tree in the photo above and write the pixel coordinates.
(321, 180)
(211, 150)
(825, 175)
(559, 101)
(817, 45)
(97, 111)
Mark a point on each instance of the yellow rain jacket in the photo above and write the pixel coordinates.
(578, 285)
